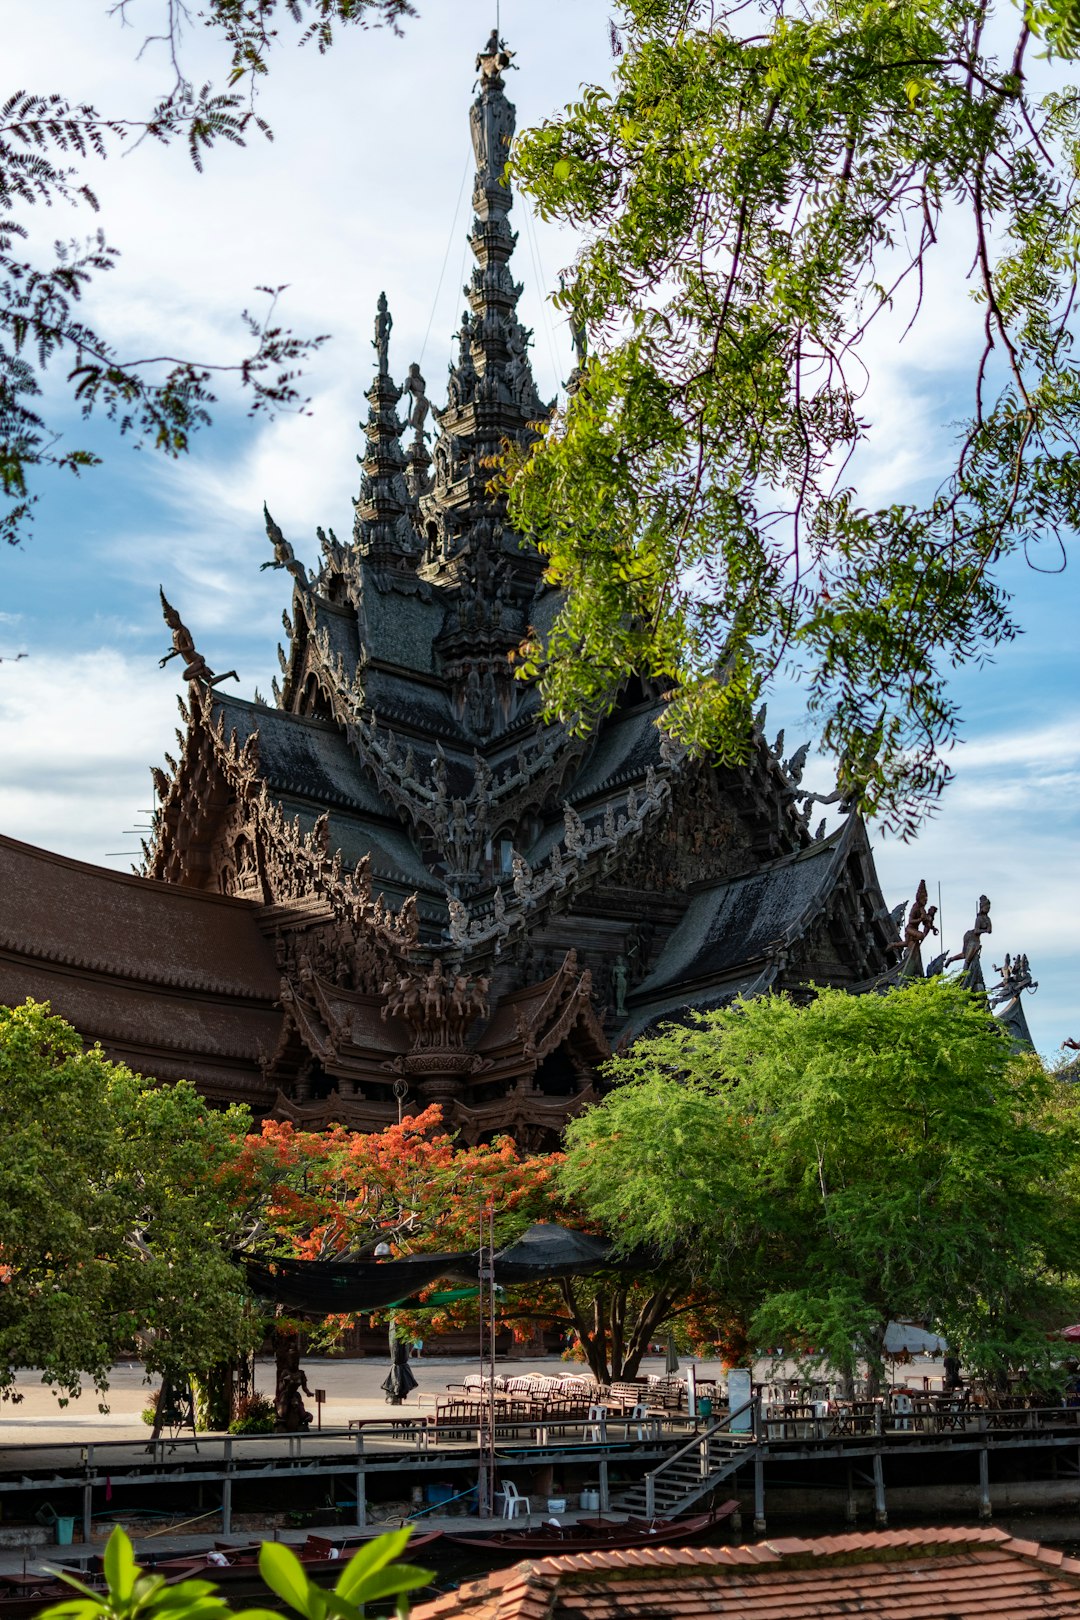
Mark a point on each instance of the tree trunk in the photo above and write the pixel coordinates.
(611, 1351)
(874, 1350)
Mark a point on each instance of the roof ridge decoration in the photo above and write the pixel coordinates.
(575, 856)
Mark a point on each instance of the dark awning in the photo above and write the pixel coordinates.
(321, 1287)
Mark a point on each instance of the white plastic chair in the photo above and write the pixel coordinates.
(902, 1406)
(596, 1425)
(638, 1417)
(513, 1501)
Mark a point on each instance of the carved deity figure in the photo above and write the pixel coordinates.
(195, 666)
(1015, 976)
(619, 980)
(434, 995)
(416, 388)
(522, 876)
(459, 919)
(381, 341)
(284, 556)
(972, 945)
(920, 923)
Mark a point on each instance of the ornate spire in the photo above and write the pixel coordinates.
(490, 573)
(382, 531)
(491, 392)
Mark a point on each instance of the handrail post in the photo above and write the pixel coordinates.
(361, 1482)
(650, 1496)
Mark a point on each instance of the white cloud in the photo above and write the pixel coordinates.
(79, 735)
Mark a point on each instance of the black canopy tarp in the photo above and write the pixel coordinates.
(547, 1250)
(321, 1287)
(324, 1286)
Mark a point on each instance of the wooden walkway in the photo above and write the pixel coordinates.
(675, 1465)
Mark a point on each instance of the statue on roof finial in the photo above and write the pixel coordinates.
(195, 666)
(284, 556)
(494, 59)
(381, 341)
(415, 386)
(973, 938)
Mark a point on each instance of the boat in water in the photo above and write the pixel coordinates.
(594, 1535)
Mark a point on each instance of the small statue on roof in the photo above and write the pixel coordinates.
(416, 387)
(195, 666)
(284, 555)
(920, 923)
(381, 341)
(494, 59)
(1014, 977)
(972, 946)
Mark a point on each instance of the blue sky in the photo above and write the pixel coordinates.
(357, 193)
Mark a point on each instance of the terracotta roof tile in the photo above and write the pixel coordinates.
(965, 1573)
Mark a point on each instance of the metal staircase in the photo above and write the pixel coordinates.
(694, 1470)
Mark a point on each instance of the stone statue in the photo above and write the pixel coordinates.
(381, 341)
(195, 666)
(284, 556)
(416, 387)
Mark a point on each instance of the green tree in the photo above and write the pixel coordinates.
(758, 189)
(46, 143)
(838, 1164)
(116, 1207)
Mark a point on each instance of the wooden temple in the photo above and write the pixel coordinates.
(397, 885)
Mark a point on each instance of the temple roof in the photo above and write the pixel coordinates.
(749, 918)
(174, 982)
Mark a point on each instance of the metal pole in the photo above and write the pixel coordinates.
(605, 1495)
(759, 1496)
(691, 1391)
(226, 1491)
(881, 1517)
(986, 1510)
(87, 1511)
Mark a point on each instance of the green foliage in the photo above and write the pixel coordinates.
(837, 1164)
(369, 1575)
(255, 1415)
(160, 401)
(757, 189)
(115, 1213)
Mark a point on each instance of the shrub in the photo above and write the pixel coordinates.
(254, 1415)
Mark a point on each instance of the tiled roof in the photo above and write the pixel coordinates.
(936, 1574)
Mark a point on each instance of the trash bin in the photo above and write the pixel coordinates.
(65, 1531)
(704, 1407)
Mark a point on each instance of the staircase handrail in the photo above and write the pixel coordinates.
(696, 1442)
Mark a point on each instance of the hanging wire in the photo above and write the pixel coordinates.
(542, 289)
(446, 256)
